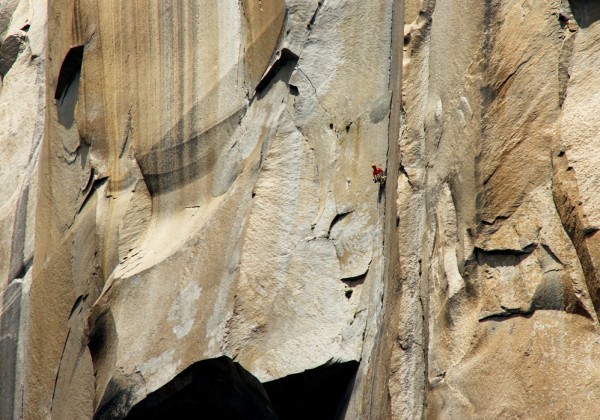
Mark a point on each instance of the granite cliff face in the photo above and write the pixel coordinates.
(22, 109)
(496, 204)
(190, 224)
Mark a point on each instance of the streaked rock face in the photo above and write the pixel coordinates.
(22, 104)
(190, 223)
(206, 193)
(498, 152)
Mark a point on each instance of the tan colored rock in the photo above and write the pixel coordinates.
(519, 368)
(22, 103)
(491, 191)
(201, 202)
(207, 193)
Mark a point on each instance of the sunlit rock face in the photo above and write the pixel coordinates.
(189, 223)
(22, 104)
(206, 192)
(497, 205)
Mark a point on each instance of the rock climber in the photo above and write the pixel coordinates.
(377, 173)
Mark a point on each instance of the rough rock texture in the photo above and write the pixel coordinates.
(190, 224)
(206, 193)
(22, 104)
(496, 200)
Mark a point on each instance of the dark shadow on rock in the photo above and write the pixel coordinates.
(503, 257)
(67, 86)
(507, 316)
(179, 159)
(18, 265)
(315, 394)
(189, 147)
(119, 395)
(554, 292)
(103, 341)
(286, 59)
(10, 49)
(355, 281)
(585, 12)
(215, 389)
(10, 319)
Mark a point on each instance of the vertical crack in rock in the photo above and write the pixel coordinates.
(315, 92)
(128, 132)
(313, 19)
(569, 26)
(396, 377)
(18, 265)
(488, 22)
(62, 356)
(402, 170)
(573, 196)
(421, 286)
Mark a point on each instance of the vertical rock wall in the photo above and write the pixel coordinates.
(207, 193)
(22, 103)
(199, 224)
(497, 190)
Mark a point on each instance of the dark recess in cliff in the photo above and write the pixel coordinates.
(67, 86)
(585, 12)
(286, 58)
(216, 389)
(220, 389)
(70, 67)
(315, 394)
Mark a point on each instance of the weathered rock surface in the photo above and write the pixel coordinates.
(206, 193)
(498, 190)
(22, 104)
(190, 225)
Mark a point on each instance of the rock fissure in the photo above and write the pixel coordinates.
(94, 186)
(317, 98)
(339, 217)
(405, 173)
(128, 132)
(58, 371)
(313, 19)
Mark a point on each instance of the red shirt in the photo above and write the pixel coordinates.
(377, 171)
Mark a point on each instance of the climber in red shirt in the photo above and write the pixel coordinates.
(377, 173)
